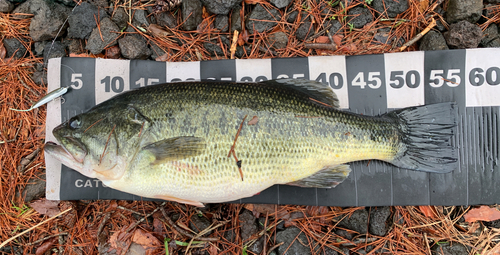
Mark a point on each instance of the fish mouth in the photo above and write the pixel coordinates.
(73, 156)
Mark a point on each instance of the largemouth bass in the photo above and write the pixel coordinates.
(208, 142)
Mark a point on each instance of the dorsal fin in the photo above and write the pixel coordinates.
(316, 90)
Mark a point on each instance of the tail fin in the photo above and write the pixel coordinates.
(426, 132)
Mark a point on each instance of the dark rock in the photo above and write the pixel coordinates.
(278, 40)
(39, 67)
(191, 14)
(156, 51)
(489, 10)
(222, 23)
(39, 47)
(345, 250)
(280, 226)
(336, 26)
(491, 39)
(469, 10)
(220, 6)
(493, 1)
(214, 48)
(492, 224)
(449, 249)
(82, 20)
(198, 224)
(357, 222)
(262, 20)
(76, 46)
(382, 36)
(344, 233)
(22, 8)
(35, 188)
(6, 6)
(140, 18)
(120, 18)
(39, 77)
(361, 16)
(281, 3)
(463, 35)
(329, 251)
(287, 237)
(236, 20)
(304, 31)
(102, 4)
(433, 40)
(230, 236)
(69, 3)
(132, 47)
(390, 8)
(166, 19)
(379, 224)
(108, 31)
(12, 250)
(48, 20)
(292, 16)
(53, 50)
(249, 227)
(14, 47)
(248, 224)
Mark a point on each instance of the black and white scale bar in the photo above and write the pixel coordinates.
(369, 84)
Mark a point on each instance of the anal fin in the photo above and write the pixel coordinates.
(328, 177)
(180, 200)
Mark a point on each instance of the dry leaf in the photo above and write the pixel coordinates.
(46, 207)
(213, 250)
(45, 246)
(147, 240)
(316, 211)
(483, 213)
(82, 55)
(258, 209)
(243, 38)
(3, 51)
(253, 121)
(120, 240)
(322, 39)
(157, 226)
(162, 58)
(113, 52)
(423, 4)
(337, 39)
(429, 211)
(157, 30)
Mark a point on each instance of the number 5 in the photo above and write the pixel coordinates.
(75, 78)
(436, 78)
(372, 78)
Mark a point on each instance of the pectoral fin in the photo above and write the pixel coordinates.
(328, 177)
(175, 148)
(180, 200)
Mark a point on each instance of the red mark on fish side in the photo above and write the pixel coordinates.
(319, 102)
(92, 125)
(106, 146)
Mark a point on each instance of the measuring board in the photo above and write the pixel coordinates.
(369, 84)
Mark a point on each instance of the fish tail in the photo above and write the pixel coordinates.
(425, 133)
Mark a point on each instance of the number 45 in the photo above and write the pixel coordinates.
(436, 78)
(374, 81)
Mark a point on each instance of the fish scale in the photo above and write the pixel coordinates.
(172, 141)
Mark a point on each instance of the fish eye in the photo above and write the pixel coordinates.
(75, 123)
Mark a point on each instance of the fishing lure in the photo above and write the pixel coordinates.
(47, 98)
